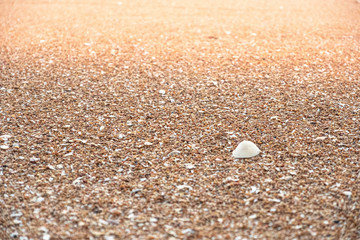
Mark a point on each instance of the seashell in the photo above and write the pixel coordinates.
(246, 149)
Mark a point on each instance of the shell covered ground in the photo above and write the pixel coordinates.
(118, 119)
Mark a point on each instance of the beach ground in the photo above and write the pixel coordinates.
(118, 119)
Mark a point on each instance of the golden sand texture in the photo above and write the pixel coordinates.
(118, 119)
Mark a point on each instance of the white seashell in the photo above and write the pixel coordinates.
(246, 149)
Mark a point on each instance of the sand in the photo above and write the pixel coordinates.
(120, 119)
